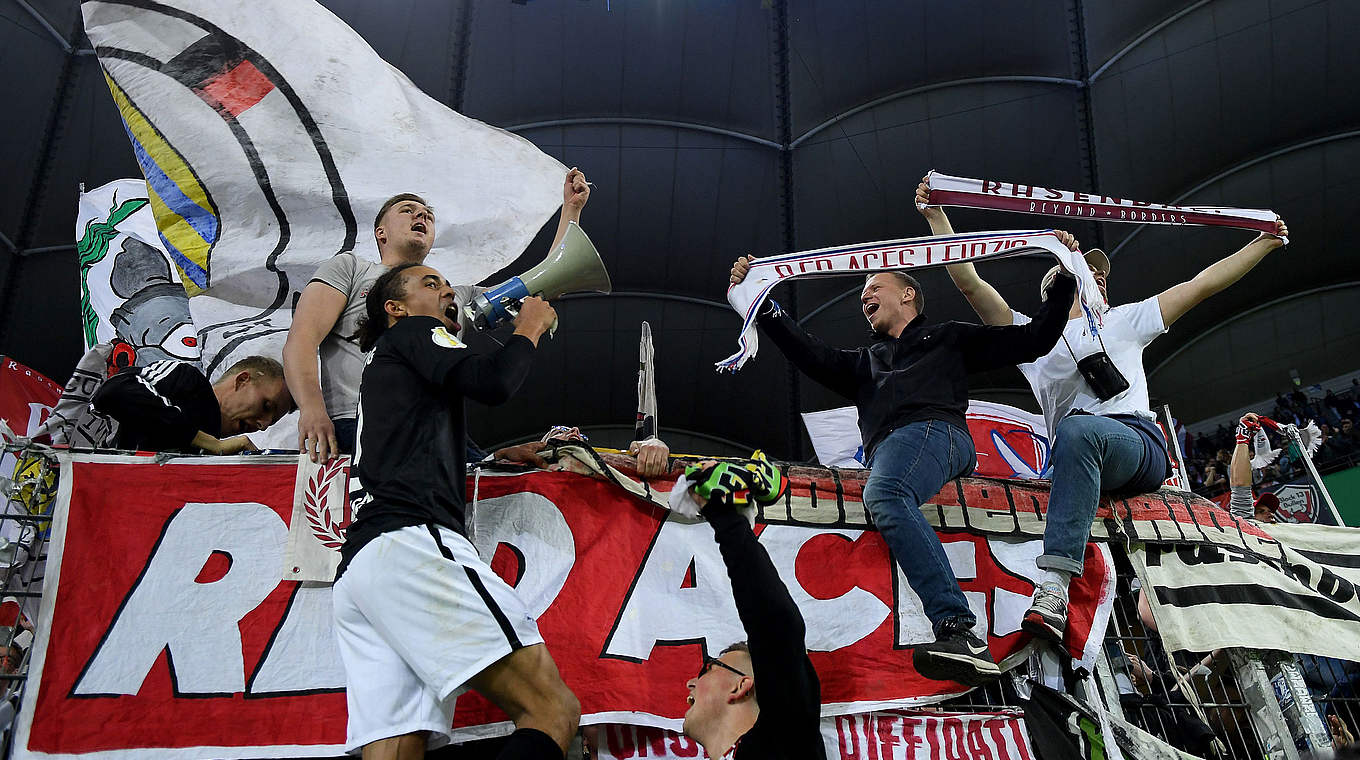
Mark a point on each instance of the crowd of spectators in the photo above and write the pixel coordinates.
(1337, 416)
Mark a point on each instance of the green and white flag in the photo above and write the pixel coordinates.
(130, 292)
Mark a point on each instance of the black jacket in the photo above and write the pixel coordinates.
(159, 407)
(410, 460)
(787, 688)
(923, 373)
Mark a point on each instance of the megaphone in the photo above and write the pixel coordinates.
(574, 266)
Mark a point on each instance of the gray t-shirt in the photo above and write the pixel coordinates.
(342, 363)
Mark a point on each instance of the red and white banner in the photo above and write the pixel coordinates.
(1032, 199)
(171, 628)
(1298, 503)
(26, 396)
(880, 736)
(862, 259)
(1010, 442)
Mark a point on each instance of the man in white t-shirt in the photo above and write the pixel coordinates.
(330, 307)
(1104, 437)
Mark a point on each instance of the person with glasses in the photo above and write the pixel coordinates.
(725, 714)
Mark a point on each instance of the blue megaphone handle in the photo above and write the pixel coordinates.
(512, 289)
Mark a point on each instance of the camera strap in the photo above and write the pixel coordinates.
(1074, 353)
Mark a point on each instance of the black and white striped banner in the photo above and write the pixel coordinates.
(1301, 599)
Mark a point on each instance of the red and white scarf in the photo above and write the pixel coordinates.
(1032, 199)
(891, 255)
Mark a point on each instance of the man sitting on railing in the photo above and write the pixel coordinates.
(1094, 394)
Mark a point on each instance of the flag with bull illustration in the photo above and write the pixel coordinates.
(130, 292)
(265, 152)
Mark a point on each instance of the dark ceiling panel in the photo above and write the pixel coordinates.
(1111, 26)
(587, 375)
(856, 181)
(1249, 359)
(700, 62)
(844, 54)
(62, 15)
(93, 149)
(1226, 83)
(671, 207)
(42, 315)
(1312, 188)
(33, 63)
(1252, 99)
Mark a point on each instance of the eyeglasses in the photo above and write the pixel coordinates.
(709, 662)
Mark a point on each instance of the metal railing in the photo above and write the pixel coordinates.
(1191, 700)
(1225, 704)
(28, 492)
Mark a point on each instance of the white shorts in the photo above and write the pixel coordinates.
(418, 614)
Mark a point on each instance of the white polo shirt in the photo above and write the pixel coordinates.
(1060, 388)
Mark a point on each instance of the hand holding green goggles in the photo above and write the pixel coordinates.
(758, 479)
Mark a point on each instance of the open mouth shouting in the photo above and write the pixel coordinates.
(451, 312)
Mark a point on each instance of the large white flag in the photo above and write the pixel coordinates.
(269, 133)
(130, 292)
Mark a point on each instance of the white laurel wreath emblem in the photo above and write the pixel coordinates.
(331, 533)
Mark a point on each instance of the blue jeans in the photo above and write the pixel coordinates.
(345, 432)
(908, 468)
(1090, 454)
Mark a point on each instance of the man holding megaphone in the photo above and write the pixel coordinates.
(330, 307)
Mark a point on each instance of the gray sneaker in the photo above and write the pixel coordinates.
(1046, 617)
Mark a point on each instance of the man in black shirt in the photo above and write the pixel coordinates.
(419, 616)
(725, 715)
(911, 390)
(170, 406)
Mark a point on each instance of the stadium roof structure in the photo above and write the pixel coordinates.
(713, 129)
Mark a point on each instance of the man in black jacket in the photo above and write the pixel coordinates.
(170, 406)
(911, 390)
(725, 715)
(419, 617)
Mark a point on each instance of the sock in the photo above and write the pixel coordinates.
(1061, 577)
(530, 744)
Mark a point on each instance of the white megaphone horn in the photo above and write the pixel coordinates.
(574, 266)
